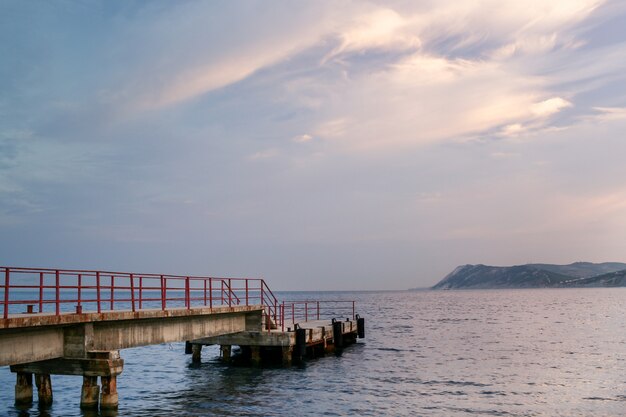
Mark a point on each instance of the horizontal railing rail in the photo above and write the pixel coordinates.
(307, 310)
(63, 291)
(56, 291)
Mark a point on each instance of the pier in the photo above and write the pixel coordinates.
(75, 322)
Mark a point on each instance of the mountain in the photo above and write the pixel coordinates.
(578, 274)
(583, 269)
(612, 279)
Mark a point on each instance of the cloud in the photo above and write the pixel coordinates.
(380, 29)
(549, 107)
(608, 114)
(265, 154)
(424, 99)
(302, 138)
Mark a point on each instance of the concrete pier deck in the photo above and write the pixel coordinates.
(75, 322)
(298, 341)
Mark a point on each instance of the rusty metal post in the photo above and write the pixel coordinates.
(187, 294)
(90, 392)
(6, 293)
(140, 292)
(98, 291)
(211, 293)
(230, 293)
(262, 290)
(132, 291)
(41, 292)
(24, 388)
(80, 285)
(163, 293)
(282, 316)
(44, 389)
(58, 293)
(112, 291)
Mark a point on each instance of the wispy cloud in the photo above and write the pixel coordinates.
(302, 138)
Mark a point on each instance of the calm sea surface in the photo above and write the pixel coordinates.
(432, 353)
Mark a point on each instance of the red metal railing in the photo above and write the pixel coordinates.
(308, 310)
(57, 291)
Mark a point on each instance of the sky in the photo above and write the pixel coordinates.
(320, 145)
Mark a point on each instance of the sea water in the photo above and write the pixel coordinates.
(544, 352)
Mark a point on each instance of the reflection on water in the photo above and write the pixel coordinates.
(514, 353)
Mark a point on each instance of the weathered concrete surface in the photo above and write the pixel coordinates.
(78, 366)
(250, 339)
(33, 338)
(24, 389)
(38, 320)
(109, 398)
(44, 389)
(90, 392)
(316, 332)
(29, 345)
(130, 333)
(311, 339)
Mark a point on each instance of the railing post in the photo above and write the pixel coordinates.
(140, 292)
(98, 298)
(282, 316)
(230, 293)
(132, 292)
(112, 291)
(262, 290)
(246, 291)
(41, 292)
(353, 302)
(58, 292)
(306, 311)
(205, 291)
(163, 293)
(80, 284)
(210, 293)
(318, 310)
(293, 312)
(6, 293)
(187, 296)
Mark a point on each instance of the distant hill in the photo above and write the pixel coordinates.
(612, 279)
(578, 274)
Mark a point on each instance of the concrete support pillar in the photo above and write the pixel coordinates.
(90, 393)
(109, 399)
(226, 350)
(255, 355)
(44, 389)
(196, 352)
(328, 347)
(287, 353)
(24, 388)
